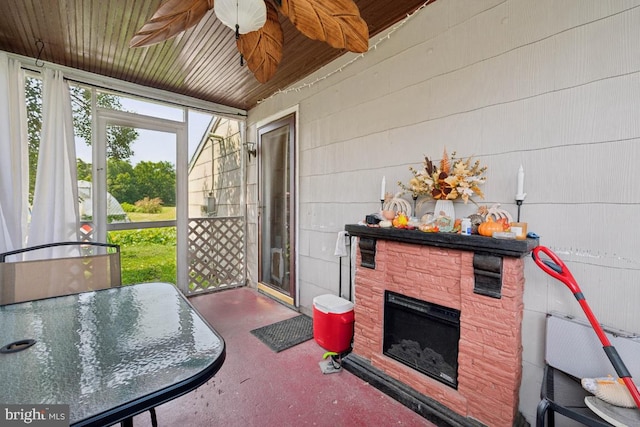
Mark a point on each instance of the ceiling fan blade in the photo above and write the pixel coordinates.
(171, 18)
(262, 49)
(336, 22)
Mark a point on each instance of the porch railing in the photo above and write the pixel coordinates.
(216, 253)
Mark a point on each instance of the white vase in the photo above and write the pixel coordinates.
(445, 206)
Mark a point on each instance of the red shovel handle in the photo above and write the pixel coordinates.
(555, 267)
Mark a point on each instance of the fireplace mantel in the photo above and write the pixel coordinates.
(473, 243)
(483, 278)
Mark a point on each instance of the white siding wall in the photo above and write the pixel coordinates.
(200, 182)
(553, 85)
(226, 182)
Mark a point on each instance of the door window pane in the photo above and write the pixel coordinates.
(144, 186)
(276, 191)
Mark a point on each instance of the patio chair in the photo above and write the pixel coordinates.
(573, 352)
(58, 269)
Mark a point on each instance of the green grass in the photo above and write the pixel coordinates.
(168, 213)
(147, 255)
(148, 263)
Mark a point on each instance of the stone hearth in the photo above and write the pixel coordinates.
(484, 279)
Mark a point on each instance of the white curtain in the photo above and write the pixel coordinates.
(14, 166)
(54, 216)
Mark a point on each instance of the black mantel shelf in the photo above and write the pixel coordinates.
(474, 243)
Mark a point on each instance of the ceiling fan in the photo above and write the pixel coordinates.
(259, 36)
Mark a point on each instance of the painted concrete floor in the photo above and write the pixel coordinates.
(258, 387)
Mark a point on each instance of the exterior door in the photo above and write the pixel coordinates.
(160, 137)
(276, 145)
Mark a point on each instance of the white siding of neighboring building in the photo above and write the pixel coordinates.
(553, 85)
(216, 168)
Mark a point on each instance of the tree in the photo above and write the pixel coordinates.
(84, 170)
(156, 179)
(120, 181)
(119, 139)
(33, 95)
(125, 182)
(147, 179)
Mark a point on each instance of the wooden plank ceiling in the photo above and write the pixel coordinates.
(202, 62)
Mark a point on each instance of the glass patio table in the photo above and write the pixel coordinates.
(109, 354)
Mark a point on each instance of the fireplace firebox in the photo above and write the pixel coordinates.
(423, 336)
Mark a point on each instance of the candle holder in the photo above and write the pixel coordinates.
(414, 197)
(520, 195)
(519, 199)
(381, 204)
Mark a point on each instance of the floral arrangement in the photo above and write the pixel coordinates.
(451, 179)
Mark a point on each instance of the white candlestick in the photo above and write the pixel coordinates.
(383, 189)
(520, 195)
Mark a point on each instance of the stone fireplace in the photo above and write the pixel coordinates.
(480, 278)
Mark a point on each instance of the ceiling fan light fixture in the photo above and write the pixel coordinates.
(248, 15)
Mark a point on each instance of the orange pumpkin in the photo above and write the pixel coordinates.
(488, 227)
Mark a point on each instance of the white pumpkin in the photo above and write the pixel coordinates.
(497, 213)
(398, 204)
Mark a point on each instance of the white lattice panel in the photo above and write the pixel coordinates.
(216, 253)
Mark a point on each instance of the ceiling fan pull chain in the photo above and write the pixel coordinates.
(241, 60)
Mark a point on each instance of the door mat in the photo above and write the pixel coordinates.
(286, 333)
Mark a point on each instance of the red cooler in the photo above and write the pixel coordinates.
(333, 320)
